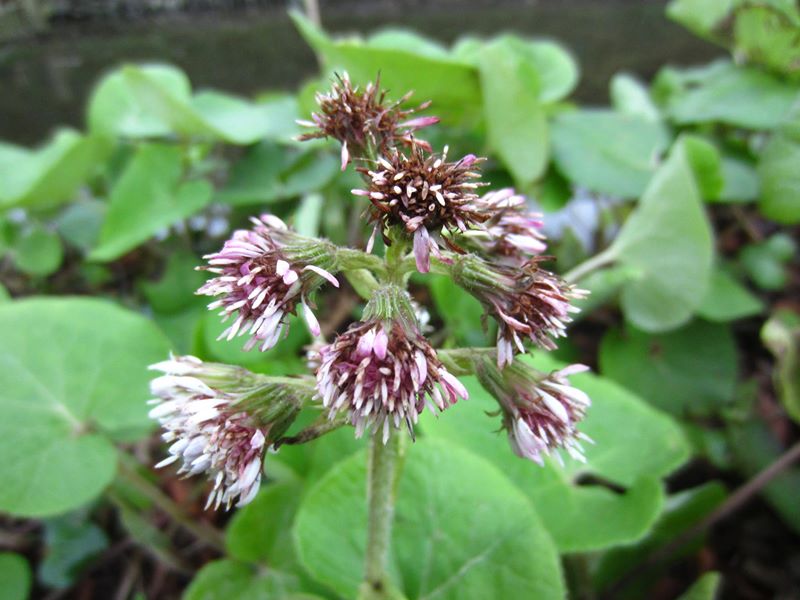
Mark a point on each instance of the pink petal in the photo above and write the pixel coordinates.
(323, 273)
(345, 156)
(422, 250)
(380, 344)
(311, 319)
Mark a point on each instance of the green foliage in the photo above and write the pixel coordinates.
(688, 371)
(667, 242)
(781, 334)
(608, 152)
(710, 145)
(583, 517)
(443, 488)
(72, 542)
(74, 375)
(15, 576)
(148, 197)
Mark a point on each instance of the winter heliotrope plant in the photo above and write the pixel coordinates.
(381, 372)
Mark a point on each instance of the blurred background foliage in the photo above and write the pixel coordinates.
(675, 201)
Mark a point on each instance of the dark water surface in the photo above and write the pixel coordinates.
(46, 82)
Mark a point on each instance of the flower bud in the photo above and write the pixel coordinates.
(528, 302)
(261, 276)
(364, 121)
(219, 420)
(426, 196)
(382, 371)
(540, 412)
(511, 234)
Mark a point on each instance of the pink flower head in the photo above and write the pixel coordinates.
(511, 234)
(261, 276)
(383, 374)
(206, 430)
(426, 196)
(363, 119)
(528, 302)
(543, 417)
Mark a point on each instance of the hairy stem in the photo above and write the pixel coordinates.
(598, 261)
(312, 432)
(385, 462)
(204, 533)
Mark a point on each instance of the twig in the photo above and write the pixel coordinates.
(738, 499)
(312, 432)
(209, 535)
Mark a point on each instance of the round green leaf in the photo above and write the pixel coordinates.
(691, 370)
(114, 108)
(461, 530)
(49, 175)
(38, 252)
(726, 93)
(15, 576)
(73, 372)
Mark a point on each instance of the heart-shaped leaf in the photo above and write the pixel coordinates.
(73, 374)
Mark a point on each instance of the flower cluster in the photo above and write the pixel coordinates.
(206, 430)
(261, 275)
(361, 120)
(425, 195)
(540, 412)
(383, 373)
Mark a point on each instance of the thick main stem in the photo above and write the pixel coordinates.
(382, 476)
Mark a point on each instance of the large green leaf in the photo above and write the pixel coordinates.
(270, 173)
(450, 83)
(634, 446)
(779, 175)
(725, 93)
(205, 114)
(705, 588)
(668, 240)
(148, 197)
(515, 119)
(691, 370)
(50, 175)
(72, 373)
(461, 530)
(72, 543)
(114, 109)
(15, 576)
(608, 152)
